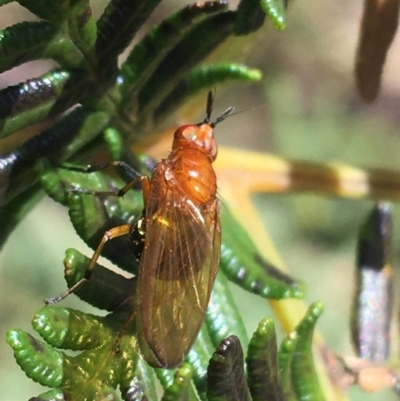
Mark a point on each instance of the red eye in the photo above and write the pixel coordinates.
(187, 131)
(190, 132)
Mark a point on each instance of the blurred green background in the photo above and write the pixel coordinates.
(310, 111)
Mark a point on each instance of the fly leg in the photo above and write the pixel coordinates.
(137, 235)
(124, 328)
(134, 176)
(118, 192)
(121, 165)
(108, 235)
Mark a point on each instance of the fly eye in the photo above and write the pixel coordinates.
(190, 133)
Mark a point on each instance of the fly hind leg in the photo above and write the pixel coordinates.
(108, 235)
(121, 333)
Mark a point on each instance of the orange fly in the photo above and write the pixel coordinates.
(182, 238)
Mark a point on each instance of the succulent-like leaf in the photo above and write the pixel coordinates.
(89, 80)
(222, 317)
(88, 75)
(202, 78)
(140, 385)
(82, 30)
(285, 358)
(147, 55)
(41, 362)
(103, 364)
(24, 42)
(248, 269)
(105, 290)
(300, 361)
(263, 375)
(33, 100)
(250, 17)
(201, 40)
(198, 357)
(11, 216)
(373, 296)
(116, 27)
(92, 215)
(181, 388)
(378, 28)
(226, 379)
(49, 11)
(63, 139)
(275, 9)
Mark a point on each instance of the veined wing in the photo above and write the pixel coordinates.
(177, 272)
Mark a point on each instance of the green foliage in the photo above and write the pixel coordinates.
(262, 363)
(243, 265)
(298, 362)
(104, 364)
(275, 9)
(92, 215)
(158, 75)
(96, 103)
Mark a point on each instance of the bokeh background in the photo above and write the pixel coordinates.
(305, 108)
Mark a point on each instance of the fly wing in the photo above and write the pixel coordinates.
(177, 272)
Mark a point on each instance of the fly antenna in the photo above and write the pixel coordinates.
(222, 117)
(209, 107)
(246, 110)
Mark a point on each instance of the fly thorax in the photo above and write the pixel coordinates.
(192, 172)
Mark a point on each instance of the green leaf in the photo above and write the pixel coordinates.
(242, 264)
(202, 78)
(64, 138)
(262, 364)
(165, 376)
(275, 9)
(115, 144)
(88, 76)
(51, 395)
(92, 215)
(41, 362)
(116, 28)
(81, 28)
(140, 382)
(11, 215)
(304, 376)
(24, 42)
(250, 17)
(201, 40)
(222, 317)
(198, 357)
(53, 11)
(181, 389)
(32, 101)
(105, 289)
(103, 363)
(59, 327)
(285, 357)
(226, 379)
(147, 55)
